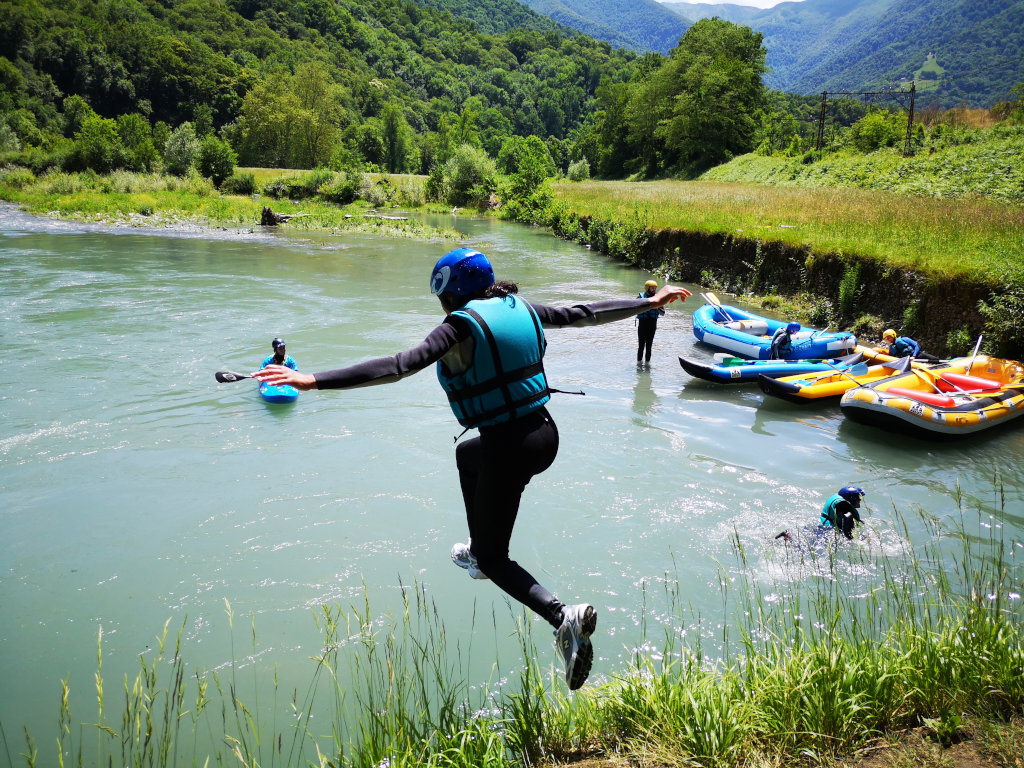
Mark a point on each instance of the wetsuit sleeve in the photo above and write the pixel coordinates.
(385, 370)
(597, 313)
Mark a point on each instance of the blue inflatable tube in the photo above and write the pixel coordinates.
(748, 335)
(735, 370)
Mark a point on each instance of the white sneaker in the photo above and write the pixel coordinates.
(572, 638)
(463, 558)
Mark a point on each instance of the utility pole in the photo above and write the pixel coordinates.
(908, 149)
(821, 123)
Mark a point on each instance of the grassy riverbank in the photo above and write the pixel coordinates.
(848, 648)
(156, 200)
(973, 238)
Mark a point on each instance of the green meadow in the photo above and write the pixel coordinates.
(973, 237)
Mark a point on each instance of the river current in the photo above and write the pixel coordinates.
(135, 490)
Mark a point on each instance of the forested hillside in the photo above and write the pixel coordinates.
(977, 46)
(495, 17)
(363, 73)
(959, 52)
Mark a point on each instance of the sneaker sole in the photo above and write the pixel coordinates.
(579, 669)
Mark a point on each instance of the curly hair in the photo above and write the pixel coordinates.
(500, 290)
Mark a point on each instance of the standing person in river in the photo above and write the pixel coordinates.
(489, 354)
(647, 324)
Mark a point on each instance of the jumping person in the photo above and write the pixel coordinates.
(280, 356)
(489, 354)
(647, 324)
(903, 346)
(782, 341)
(840, 510)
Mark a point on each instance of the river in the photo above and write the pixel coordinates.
(136, 490)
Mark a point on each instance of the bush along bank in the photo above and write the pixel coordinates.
(841, 290)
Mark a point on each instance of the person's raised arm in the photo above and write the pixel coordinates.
(607, 311)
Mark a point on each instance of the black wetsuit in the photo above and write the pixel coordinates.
(782, 345)
(495, 466)
(646, 327)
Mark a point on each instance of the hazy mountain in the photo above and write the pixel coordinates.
(645, 25)
(960, 51)
(693, 12)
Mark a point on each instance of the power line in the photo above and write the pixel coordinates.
(890, 93)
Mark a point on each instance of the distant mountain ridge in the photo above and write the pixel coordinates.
(835, 45)
(644, 25)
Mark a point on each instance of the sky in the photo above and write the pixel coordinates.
(756, 3)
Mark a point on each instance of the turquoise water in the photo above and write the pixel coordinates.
(136, 490)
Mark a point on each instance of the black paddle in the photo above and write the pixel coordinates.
(227, 376)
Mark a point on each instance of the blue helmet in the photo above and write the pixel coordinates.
(851, 493)
(793, 327)
(461, 272)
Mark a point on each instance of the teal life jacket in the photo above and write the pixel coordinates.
(828, 512)
(650, 314)
(506, 378)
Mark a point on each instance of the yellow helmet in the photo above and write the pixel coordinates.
(889, 333)
(651, 284)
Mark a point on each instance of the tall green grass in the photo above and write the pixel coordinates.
(969, 237)
(818, 651)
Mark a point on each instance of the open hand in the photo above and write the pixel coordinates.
(278, 375)
(667, 294)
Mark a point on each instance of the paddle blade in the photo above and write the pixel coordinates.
(228, 376)
(712, 299)
(857, 370)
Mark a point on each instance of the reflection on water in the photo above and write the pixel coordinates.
(137, 490)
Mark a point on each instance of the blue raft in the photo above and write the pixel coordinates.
(735, 370)
(748, 335)
(278, 394)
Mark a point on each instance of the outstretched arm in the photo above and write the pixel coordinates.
(668, 294)
(600, 312)
(380, 370)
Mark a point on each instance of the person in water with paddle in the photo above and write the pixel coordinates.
(840, 510)
(647, 324)
(488, 353)
(280, 356)
(903, 346)
(839, 515)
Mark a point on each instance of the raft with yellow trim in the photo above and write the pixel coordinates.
(963, 397)
(817, 387)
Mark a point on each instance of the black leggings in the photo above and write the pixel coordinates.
(645, 329)
(494, 470)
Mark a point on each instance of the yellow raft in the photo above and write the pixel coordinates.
(815, 387)
(807, 388)
(962, 397)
